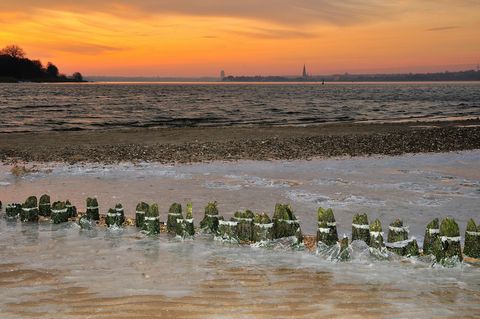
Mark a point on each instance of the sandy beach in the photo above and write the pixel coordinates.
(197, 144)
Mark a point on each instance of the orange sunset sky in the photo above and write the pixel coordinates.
(249, 37)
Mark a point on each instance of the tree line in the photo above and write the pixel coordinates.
(15, 66)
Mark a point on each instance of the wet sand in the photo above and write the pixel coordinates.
(236, 292)
(196, 144)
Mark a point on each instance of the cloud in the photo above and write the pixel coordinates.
(264, 33)
(86, 48)
(445, 28)
(282, 12)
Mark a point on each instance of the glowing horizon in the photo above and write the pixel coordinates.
(190, 38)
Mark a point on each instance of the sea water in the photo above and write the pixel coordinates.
(34, 107)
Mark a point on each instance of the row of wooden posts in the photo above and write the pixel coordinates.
(442, 238)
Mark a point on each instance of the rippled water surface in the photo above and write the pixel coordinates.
(52, 271)
(40, 107)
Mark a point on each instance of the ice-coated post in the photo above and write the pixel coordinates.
(120, 215)
(376, 235)
(472, 240)
(59, 213)
(72, 210)
(44, 208)
(398, 241)
(361, 228)
(447, 248)
(285, 223)
(227, 230)
(432, 232)
(12, 211)
(115, 217)
(140, 212)
(262, 228)
(174, 213)
(327, 227)
(92, 209)
(245, 225)
(152, 220)
(185, 227)
(344, 253)
(29, 212)
(209, 223)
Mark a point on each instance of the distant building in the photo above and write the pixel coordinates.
(304, 74)
(222, 75)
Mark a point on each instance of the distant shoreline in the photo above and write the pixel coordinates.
(200, 144)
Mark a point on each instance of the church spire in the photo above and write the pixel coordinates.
(304, 72)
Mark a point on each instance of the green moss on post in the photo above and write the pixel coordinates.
(29, 212)
(361, 228)
(209, 223)
(397, 241)
(115, 217)
(450, 237)
(227, 230)
(174, 213)
(44, 208)
(376, 235)
(472, 240)
(245, 225)
(327, 227)
(72, 210)
(412, 248)
(432, 232)
(262, 228)
(140, 211)
(152, 220)
(12, 211)
(285, 223)
(59, 213)
(185, 227)
(92, 209)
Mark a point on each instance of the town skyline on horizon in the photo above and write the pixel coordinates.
(186, 38)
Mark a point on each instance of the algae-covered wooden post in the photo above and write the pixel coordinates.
(447, 248)
(115, 217)
(245, 225)
(120, 214)
(398, 241)
(44, 207)
(285, 223)
(92, 209)
(12, 211)
(152, 220)
(376, 235)
(59, 213)
(29, 212)
(174, 213)
(432, 232)
(209, 223)
(361, 228)
(140, 211)
(72, 210)
(472, 240)
(185, 227)
(227, 230)
(263, 230)
(327, 227)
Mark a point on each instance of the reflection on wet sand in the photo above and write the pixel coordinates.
(234, 292)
